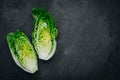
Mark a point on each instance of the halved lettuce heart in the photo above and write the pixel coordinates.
(22, 51)
(44, 33)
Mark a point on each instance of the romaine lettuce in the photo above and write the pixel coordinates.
(44, 33)
(22, 51)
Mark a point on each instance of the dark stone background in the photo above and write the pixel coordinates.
(88, 40)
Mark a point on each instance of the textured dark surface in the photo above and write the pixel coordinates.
(88, 40)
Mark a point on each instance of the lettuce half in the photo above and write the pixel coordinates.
(22, 51)
(44, 33)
